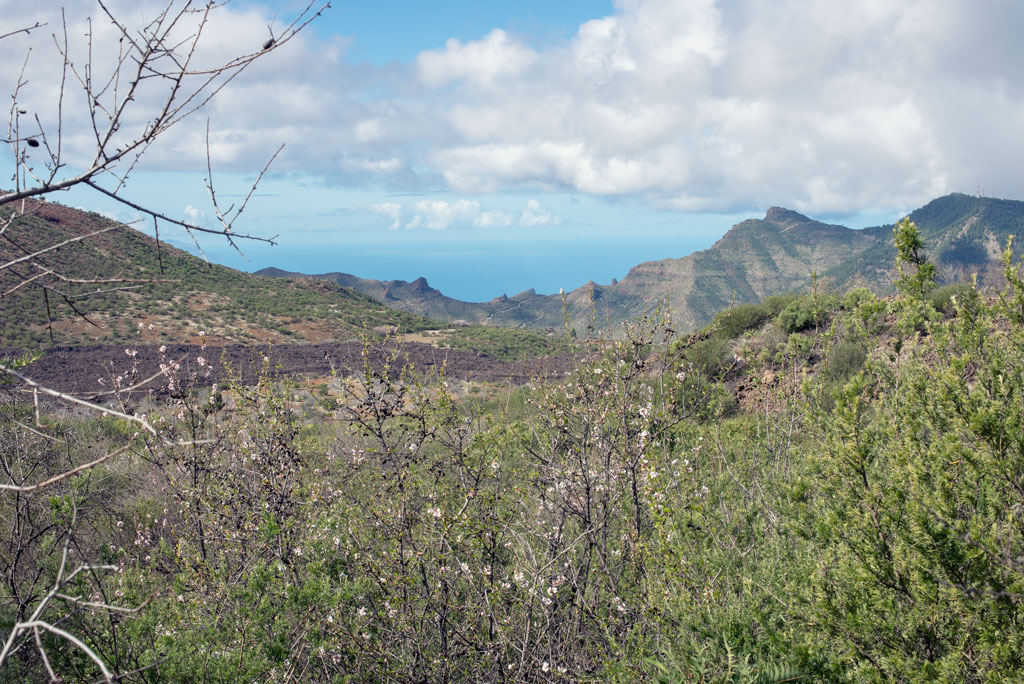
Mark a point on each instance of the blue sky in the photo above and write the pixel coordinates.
(493, 147)
(383, 32)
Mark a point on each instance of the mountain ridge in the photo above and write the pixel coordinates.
(168, 294)
(754, 259)
(182, 296)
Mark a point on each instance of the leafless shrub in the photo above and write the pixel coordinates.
(121, 103)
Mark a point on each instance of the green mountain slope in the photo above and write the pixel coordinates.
(182, 295)
(964, 235)
(754, 259)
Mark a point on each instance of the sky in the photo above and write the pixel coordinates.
(493, 147)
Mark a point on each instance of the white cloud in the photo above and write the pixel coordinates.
(390, 209)
(693, 104)
(486, 219)
(369, 130)
(114, 215)
(713, 105)
(479, 63)
(438, 214)
(302, 94)
(536, 215)
(379, 166)
(461, 213)
(194, 215)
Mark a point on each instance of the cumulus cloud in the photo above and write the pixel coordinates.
(438, 214)
(392, 210)
(194, 215)
(303, 94)
(113, 215)
(441, 214)
(487, 219)
(704, 104)
(692, 104)
(478, 63)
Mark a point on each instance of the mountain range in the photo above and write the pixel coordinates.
(175, 296)
(754, 259)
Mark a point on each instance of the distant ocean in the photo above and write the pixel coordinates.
(481, 272)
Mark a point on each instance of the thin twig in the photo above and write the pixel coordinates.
(36, 624)
(21, 30)
(139, 384)
(61, 476)
(187, 226)
(37, 253)
(98, 408)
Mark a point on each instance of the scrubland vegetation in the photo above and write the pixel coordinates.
(179, 293)
(507, 344)
(823, 487)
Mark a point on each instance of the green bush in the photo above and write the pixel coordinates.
(856, 297)
(776, 303)
(804, 312)
(941, 298)
(733, 322)
(709, 357)
(916, 513)
(743, 318)
(845, 359)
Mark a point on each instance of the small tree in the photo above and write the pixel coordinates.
(917, 274)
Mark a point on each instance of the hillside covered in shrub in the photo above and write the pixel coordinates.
(824, 487)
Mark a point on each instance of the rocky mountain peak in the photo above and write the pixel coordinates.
(783, 215)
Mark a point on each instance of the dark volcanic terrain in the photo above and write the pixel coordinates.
(79, 369)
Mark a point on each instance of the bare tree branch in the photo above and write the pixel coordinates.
(99, 408)
(187, 226)
(27, 29)
(33, 255)
(68, 636)
(159, 57)
(67, 473)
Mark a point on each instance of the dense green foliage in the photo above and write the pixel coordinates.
(507, 344)
(920, 495)
(742, 318)
(764, 501)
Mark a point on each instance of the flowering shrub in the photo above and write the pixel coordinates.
(854, 520)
